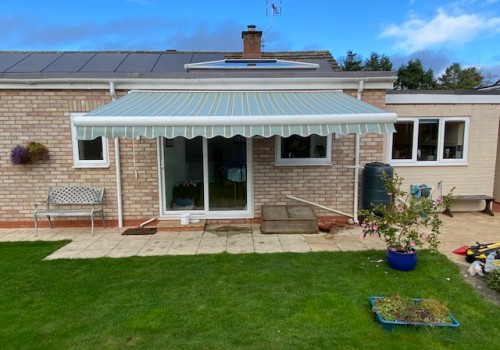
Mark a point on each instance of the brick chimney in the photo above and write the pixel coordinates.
(252, 42)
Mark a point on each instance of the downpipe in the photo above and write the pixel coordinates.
(119, 202)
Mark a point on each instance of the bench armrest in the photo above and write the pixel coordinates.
(35, 204)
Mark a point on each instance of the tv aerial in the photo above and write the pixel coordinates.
(273, 9)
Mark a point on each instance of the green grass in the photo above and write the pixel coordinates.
(253, 301)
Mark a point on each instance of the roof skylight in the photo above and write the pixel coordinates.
(244, 64)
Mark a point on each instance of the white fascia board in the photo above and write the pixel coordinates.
(314, 83)
(441, 99)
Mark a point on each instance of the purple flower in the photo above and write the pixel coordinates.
(20, 155)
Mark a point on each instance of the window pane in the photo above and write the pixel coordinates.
(90, 149)
(295, 146)
(402, 140)
(453, 139)
(427, 139)
(227, 173)
(184, 173)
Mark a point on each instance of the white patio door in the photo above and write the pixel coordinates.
(206, 177)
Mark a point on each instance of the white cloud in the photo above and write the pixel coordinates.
(442, 30)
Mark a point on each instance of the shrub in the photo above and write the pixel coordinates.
(493, 280)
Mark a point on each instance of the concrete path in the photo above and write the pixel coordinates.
(463, 229)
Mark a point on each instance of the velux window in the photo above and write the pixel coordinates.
(304, 150)
(88, 153)
(430, 141)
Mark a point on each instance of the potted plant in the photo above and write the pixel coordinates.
(404, 225)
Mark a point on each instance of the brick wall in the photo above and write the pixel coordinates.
(331, 186)
(44, 116)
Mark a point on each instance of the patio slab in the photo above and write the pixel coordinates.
(463, 229)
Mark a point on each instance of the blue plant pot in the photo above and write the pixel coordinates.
(402, 261)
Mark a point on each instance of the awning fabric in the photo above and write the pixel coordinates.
(229, 113)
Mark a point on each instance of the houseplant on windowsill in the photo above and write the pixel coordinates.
(403, 225)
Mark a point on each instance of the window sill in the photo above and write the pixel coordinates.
(298, 163)
(90, 166)
(427, 164)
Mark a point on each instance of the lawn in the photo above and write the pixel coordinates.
(250, 301)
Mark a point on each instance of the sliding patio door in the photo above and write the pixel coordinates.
(206, 176)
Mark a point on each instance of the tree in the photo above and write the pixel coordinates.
(412, 76)
(351, 62)
(378, 62)
(456, 77)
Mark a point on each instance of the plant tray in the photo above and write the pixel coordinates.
(389, 325)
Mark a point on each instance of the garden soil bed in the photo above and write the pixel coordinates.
(479, 284)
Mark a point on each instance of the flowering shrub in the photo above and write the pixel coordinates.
(404, 226)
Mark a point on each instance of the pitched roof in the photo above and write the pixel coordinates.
(132, 63)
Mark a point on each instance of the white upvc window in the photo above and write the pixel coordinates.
(430, 141)
(88, 153)
(304, 150)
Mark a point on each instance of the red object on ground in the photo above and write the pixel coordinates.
(461, 250)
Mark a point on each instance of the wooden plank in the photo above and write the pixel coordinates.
(288, 219)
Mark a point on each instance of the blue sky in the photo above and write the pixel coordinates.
(438, 32)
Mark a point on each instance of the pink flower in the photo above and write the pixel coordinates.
(424, 236)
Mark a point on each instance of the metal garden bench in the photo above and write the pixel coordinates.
(72, 200)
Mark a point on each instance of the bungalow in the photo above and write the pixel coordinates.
(213, 134)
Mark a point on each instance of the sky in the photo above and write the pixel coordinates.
(438, 32)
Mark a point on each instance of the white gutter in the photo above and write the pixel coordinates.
(118, 166)
(356, 161)
(181, 83)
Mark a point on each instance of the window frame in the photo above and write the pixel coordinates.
(279, 161)
(440, 160)
(80, 163)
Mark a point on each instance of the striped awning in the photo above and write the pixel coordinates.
(229, 113)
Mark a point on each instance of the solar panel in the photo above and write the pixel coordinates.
(206, 57)
(34, 63)
(7, 60)
(69, 62)
(139, 62)
(173, 62)
(104, 62)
